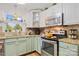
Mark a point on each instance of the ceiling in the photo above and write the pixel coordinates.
(37, 5)
(27, 6)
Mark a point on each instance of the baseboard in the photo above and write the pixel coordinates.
(30, 53)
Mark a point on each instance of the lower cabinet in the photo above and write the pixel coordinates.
(10, 47)
(33, 41)
(28, 44)
(66, 52)
(34, 44)
(38, 44)
(21, 46)
(66, 49)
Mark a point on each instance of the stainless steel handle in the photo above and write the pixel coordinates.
(22, 40)
(62, 18)
(52, 42)
(9, 43)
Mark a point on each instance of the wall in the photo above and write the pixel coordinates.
(72, 27)
(11, 8)
(56, 28)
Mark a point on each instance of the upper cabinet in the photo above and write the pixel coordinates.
(52, 16)
(42, 19)
(55, 10)
(33, 18)
(29, 20)
(70, 11)
(59, 14)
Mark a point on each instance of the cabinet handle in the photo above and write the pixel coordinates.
(9, 43)
(62, 18)
(22, 41)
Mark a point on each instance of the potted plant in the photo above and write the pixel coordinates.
(18, 27)
(9, 28)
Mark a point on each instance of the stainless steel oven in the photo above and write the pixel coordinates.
(49, 48)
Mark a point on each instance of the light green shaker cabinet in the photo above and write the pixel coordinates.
(38, 44)
(10, 47)
(28, 44)
(66, 49)
(66, 52)
(32, 43)
(21, 46)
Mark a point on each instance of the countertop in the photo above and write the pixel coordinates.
(70, 41)
(66, 40)
(20, 36)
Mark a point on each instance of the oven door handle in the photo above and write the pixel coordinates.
(51, 42)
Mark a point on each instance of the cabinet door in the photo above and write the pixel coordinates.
(42, 19)
(77, 13)
(38, 44)
(10, 48)
(70, 13)
(33, 43)
(28, 44)
(55, 10)
(51, 13)
(69, 46)
(21, 46)
(29, 20)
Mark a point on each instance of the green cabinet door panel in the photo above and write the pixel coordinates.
(28, 45)
(69, 46)
(21, 46)
(33, 43)
(10, 48)
(38, 44)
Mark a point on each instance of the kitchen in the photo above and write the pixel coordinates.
(49, 29)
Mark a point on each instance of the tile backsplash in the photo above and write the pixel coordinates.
(57, 28)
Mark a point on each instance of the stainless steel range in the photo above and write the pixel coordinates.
(50, 47)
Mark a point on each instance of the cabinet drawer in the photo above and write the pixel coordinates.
(69, 46)
(10, 40)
